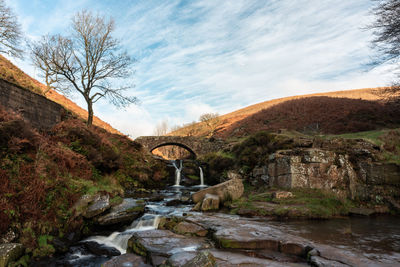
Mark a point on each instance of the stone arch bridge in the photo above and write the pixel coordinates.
(197, 146)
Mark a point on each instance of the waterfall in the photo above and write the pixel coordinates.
(201, 177)
(177, 173)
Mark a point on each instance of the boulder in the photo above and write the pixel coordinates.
(127, 211)
(159, 245)
(126, 260)
(202, 259)
(10, 252)
(229, 190)
(190, 228)
(210, 202)
(100, 249)
(100, 204)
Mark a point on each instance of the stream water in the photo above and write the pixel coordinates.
(377, 238)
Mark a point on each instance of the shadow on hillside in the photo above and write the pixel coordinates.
(320, 114)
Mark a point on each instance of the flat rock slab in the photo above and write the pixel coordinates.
(126, 260)
(229, 259)
(10, 252)
(237, 233)
(127, 211)
(163, 243)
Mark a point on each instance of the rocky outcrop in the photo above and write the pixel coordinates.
(356, 175)
(229, 190)
(10, 252)
(127, 211)
(312, 168)
(100, 204)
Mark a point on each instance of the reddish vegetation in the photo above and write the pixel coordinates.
(42, 175)
(225, 121)
(319, 115)
(13, 74)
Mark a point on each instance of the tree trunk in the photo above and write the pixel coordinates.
(90, 112)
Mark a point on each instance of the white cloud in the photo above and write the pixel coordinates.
(212, 56)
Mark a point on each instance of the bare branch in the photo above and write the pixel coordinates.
(10, 32)
(86, 61)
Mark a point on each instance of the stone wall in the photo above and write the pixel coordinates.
(36, 109)
(196, 145)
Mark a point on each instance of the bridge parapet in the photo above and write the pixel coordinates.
(196, 145)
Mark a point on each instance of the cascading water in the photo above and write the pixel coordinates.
(177, 172)
(201, 177)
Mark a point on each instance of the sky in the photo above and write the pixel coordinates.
(202, 56)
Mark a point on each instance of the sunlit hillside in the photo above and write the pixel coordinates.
(13, 74)
(227, 120)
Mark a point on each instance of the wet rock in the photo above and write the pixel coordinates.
(100, 204)
(126, 260)
(173, 202)
(282, 194)
(202, 259)
(197, 207)
(238, 233)
(210, 202)
(232, 259)
(100, 249)
(127, 211)
(163, 243)
(229, 259)
(318, 261)
(190, 228)
(229, 190)
(10, 252)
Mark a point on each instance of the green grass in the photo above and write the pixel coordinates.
(371, 136)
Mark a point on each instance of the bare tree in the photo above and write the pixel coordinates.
(10, 32)
(211, 120)
(161, 128)
(89, 61)
(386, 30)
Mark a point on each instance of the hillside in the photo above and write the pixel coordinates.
(13, 74)
(226, 122)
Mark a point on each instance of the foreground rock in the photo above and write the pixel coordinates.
(99, 249)
(10, 252)
(159, 245)
(224, 259)
(126, 260)
(229, 190)
(100, 204)
(127, 211)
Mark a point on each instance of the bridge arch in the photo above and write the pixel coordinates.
(196, 146)
(192, 153)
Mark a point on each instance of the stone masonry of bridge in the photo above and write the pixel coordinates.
(197, 145)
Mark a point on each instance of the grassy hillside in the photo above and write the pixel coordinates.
(13, 74)
(319, 114)
(42, 175)
(229, 121)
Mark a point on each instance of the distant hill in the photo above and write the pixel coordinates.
(278, 112)
(11, 73)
